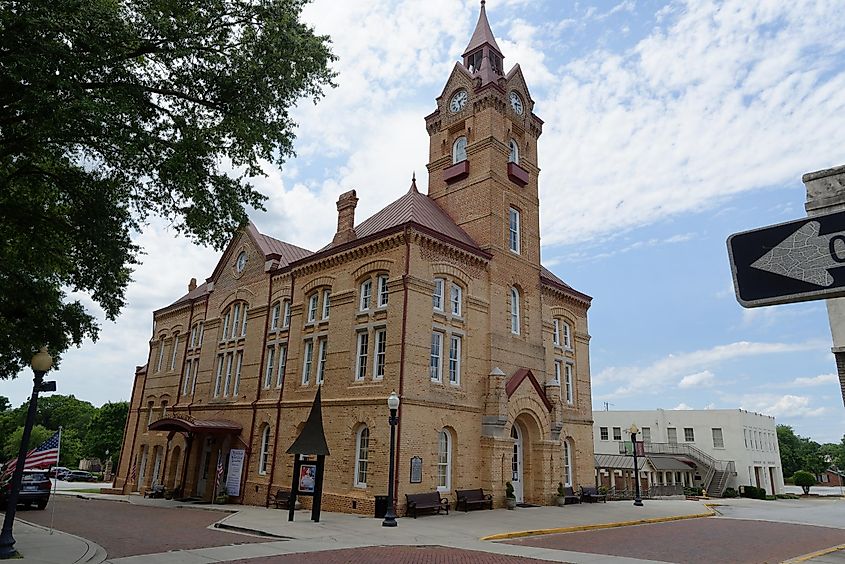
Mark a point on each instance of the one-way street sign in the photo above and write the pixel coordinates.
(790, 262)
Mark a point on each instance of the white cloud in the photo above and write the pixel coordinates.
(701, 379)
(681, 406)
(819, 380)
(780, 406)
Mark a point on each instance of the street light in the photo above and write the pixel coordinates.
(390, 514)
(634, 430)
(41, 363)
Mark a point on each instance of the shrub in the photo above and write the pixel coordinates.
(509, 491)
(560, 491)
(805, 480)
(729, 492)
(753, 492)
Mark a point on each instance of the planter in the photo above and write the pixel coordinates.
(510, 502)
(561, 501)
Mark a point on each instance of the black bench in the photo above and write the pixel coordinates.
(155, 492)
(569, 496)
(592, 495)
(282, 499)
(430, 501)
(472, 499)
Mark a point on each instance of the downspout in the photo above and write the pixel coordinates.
(279, 402)
(402, 362)
(259, 388)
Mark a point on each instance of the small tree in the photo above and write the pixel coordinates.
(509, 491)
(804, 479)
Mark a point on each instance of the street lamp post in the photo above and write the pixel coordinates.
(41, 363)
(637, 500)
(390, 514)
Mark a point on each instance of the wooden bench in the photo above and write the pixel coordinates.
(569, 496)
(592, 495)
(282, 499)
(155, 492)
(430, 501)
(472, 499)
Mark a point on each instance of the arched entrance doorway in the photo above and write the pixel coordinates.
(517, 480)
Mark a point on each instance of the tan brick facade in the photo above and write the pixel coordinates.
(497, 375)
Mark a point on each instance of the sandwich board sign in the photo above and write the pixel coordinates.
(789, 262)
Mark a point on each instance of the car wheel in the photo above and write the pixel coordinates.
(42, 503)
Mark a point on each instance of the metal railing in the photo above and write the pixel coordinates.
(707, 463)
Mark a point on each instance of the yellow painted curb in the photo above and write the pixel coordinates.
(805, 557)
(535, 532)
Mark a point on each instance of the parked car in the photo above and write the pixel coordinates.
(80, 476)
(58, 472)
(35, 488)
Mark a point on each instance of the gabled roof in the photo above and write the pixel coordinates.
(482, 34)
(549, 277)
(525, 374)
(197, 292)
(272, 248)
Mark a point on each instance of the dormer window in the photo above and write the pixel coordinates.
(459, 150)
(514, 154)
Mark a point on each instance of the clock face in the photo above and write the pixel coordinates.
(241, 262)
(516, 103)
(459, 101)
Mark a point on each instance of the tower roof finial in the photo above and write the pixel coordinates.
(413, 182)
(482, 34)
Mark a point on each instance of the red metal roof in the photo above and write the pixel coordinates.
(482, 34)
(274, 248)
(517, 379)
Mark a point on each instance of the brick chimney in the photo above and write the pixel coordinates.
(345, 217)
(192, 285)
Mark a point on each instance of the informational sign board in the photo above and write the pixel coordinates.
(790, 262)
(416, 470)
(236, 466)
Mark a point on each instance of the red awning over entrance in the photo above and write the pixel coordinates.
(191, 425)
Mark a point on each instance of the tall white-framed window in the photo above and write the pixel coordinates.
(307, 361)
(436, 362)
(186, 384)
(556, 331)
(283, 359)
(164, 408)
(718, 439)
(150, 408)
(459, 150)
(380, 352)
(362, 456)
(455, 360)
(569, 392)
(556, 378)
(243, 321)
(160, 353)
(456, 297)
(437, 296)
(366, 295)
(227, 386)
(194, 376)
(327, 303)
(444, 461)
(689, 435)
(276, 316)
(236, 318)
(513, 230)
(617, 433)
(175, 351)
(201, 333)
(226, 325)
(264, 457)
(312, 308)
(238, 365)
(192, 340)
(218, 380)
(285, 314)
(361, 357)
(513, 157)
(382, 290)
(271, 361)
(515, 311)
(603, 433)
(646, 434)
(567, 335)
(321, 362)
(567, 463)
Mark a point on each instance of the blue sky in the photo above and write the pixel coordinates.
(668, 126)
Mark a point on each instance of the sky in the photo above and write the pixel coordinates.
(668, 127)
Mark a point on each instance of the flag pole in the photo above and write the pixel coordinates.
(56, 482)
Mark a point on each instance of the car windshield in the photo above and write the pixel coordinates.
(34, 477)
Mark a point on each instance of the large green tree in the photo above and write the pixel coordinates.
(12, 443)
(115, 111)
(105, 431)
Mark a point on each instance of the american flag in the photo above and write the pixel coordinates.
(133, 474)
(43, 456)
(219, 468)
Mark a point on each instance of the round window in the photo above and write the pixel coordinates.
(241, 262)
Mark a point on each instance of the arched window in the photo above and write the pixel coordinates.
(444, 461)
(265, 451)
(514, 155)
(567, 463)
(362, 457)
(514, 311)
(236, 314)
(459, 150)
(276, 316)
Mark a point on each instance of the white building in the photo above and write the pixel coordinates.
(728, 447)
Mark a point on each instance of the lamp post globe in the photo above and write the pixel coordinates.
(636, 473)
(390, 514)
(41, 363)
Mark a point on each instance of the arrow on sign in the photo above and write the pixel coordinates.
(806, 256)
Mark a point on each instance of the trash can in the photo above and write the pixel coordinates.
(381, 506)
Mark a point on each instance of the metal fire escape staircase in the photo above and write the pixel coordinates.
(714, 473)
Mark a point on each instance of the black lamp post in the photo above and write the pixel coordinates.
(41, 363)
(634, 430)
(390, 514)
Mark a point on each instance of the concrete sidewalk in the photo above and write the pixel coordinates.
(38, 545)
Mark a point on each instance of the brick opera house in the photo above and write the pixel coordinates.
(440, 297)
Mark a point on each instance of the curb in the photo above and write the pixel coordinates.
(816, 554)
(247, 531)
(92, 552)
(536, 532)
